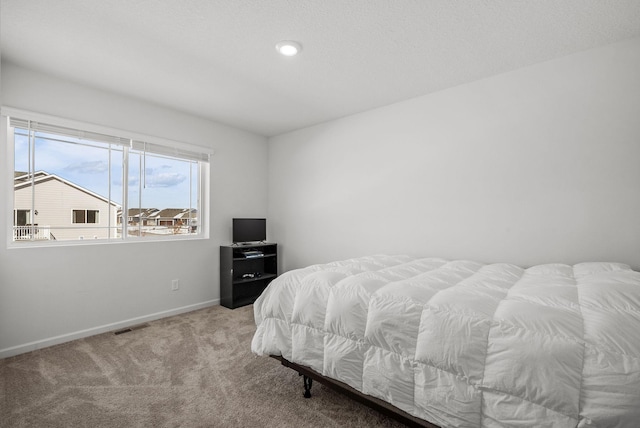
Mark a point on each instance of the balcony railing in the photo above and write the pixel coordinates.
(31, 233)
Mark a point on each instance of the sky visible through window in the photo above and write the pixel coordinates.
(167, 182)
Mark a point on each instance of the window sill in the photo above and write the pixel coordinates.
(11, 245)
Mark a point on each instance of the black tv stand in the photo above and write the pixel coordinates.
(243, 277)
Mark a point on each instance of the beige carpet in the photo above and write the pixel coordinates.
(191, 370)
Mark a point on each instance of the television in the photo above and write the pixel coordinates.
(249, 230)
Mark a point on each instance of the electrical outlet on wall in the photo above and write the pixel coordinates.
(175, 284)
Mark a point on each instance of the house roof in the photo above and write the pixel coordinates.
(140, 212)
(176, 213)
(166, 213)
(23, 179)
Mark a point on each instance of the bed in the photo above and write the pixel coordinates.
(465, 344)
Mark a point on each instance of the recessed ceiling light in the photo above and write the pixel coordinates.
(288, 47)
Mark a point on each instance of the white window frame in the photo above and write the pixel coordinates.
(156, 143)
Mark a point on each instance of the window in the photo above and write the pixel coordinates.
(86, 216)
(22, 217)
(71, 183)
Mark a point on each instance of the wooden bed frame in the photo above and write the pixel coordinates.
(373, 402)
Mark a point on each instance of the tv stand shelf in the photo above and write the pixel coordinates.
(245, 271)
(260, 278)
(262, 257)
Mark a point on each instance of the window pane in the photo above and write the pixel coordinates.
(69, 181)
(23, 217)
(161, 190)
(93, 216)
(136, 212)
(22, 201)
(78, 216)
(114, 223)
(195, 197)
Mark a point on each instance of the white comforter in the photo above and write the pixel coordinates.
(461, 343)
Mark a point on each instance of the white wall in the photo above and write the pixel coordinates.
(538, 165)
(49, 295)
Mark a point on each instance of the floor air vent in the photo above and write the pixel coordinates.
(129, 329)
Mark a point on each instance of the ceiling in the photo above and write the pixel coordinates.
(216, 58)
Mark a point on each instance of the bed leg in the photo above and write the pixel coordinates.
(308, 382)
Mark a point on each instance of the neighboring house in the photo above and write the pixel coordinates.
(175, 217)
(161, 221)
(136, 216)
(62, 210)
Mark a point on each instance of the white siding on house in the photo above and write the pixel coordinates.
(55, 202)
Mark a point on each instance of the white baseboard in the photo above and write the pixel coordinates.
(39, 344)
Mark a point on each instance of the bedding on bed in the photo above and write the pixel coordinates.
(461, 343)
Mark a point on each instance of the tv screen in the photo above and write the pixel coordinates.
(249, 229)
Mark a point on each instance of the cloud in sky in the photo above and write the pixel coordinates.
(88, 167)
(165, 179)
